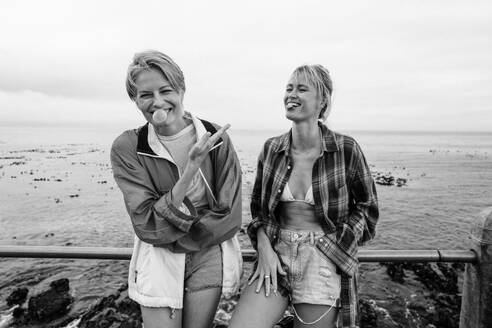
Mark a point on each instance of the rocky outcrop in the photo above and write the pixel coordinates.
(18, 296)
(115, 310)
(52, 303)
(46, 307)
(440, 305)
(387, 179)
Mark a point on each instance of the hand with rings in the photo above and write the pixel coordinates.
(268, 266)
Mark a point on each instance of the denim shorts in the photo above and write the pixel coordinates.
(312, 276)
(203, 269)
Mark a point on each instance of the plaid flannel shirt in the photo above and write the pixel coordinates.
(345, 204)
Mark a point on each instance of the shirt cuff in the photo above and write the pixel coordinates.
(182, 217)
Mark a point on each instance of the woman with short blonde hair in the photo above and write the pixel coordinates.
(181, 182)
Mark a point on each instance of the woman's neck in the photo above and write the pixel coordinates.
(173, 129)
(306, 136)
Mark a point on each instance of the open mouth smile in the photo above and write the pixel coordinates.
(292, 105)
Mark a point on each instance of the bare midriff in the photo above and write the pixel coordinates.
(298, 215)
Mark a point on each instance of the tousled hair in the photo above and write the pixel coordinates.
(320, 78)
(152, 59)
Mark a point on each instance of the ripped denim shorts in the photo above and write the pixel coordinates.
(312, 276)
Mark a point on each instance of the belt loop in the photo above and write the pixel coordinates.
(311, 236)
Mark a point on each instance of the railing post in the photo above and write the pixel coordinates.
(476, 304)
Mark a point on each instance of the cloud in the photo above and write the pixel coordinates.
(395, 64)
(30, 107)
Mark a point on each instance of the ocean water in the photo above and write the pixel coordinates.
(56, 188)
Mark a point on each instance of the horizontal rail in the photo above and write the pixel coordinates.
(113, 253)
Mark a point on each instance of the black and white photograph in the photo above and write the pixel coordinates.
(245, 164)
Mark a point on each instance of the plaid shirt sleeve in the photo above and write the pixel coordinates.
(364, 216)
(256, 221)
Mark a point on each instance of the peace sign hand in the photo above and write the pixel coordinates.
(200, 150)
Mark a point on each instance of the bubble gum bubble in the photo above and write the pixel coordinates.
(159, 116)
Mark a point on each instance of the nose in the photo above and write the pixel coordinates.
(158, 101)
(292, 94)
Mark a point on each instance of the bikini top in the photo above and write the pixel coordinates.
(288, 197)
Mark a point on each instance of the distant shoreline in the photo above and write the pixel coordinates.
(127, 125)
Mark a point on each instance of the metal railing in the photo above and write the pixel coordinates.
(112, 253)
(477, 278)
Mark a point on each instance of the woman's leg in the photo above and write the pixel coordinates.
(315, 316)
(161, 317)
(200, 307)
(255, 310)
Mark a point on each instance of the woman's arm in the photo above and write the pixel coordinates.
(157, 219)
(268, 261)
(224, 218)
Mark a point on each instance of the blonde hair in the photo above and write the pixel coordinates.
(320, 78)
(152, 59)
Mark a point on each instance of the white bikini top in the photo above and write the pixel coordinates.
(288, 197)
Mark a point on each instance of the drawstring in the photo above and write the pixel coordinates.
(208, 186)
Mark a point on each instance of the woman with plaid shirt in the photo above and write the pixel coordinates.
(313, 203)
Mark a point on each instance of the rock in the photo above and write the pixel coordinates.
(438, 277)
(417, 306)
(447, 309)
(441, 303)
(52, 303)
(401, 182)
(368, 315)
(385, 180)
(17, 297)
(373, 316)
(60, 285)
(18, 312)
(115, 310)
(395, 271)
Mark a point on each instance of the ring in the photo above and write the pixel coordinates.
(267, 277)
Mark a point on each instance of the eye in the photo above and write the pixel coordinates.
(145, 95)
(288, 89)
(166, 91)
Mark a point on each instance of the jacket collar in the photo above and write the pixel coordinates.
(149, 144)
(328, 140)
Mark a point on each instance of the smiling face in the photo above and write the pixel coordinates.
(154, 92)
(301, 100)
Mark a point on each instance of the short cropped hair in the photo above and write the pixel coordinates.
(320, 78)
(152, 59)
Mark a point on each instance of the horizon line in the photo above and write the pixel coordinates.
(123, 123)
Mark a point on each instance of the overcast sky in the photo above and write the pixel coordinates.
(423, 65)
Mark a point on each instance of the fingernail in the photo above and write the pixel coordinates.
(257, 290)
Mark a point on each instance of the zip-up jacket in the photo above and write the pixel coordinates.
(145, 172)
(146, 179)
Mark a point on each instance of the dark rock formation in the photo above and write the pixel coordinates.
(17, 297)
(395, 271)
(441, 280)
(387, 179)
(368, 315)
(115, 310)
(52, 303)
